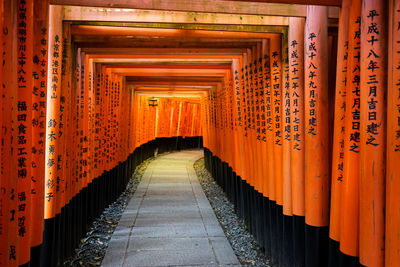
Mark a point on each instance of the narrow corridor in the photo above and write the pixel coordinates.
(169, 221)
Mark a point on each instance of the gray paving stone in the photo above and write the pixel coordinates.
(214, 231)
(159, 243)
(169, 214)
(169, 221)
(223, 251)
(115, 252)
(180, 209)
(122, 231)
(169, 257)
(198, 230)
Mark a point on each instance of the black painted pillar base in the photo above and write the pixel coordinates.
(317, 246)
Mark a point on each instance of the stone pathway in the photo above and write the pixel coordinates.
(169, 221)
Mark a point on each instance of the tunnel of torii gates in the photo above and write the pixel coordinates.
(297, 106)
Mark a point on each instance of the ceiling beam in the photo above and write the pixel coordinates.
(124, 43)
(193, 26)
(77, 13)
(172, 67)
(207, 6)
(147, 39)
(299, 2)
(173, 80)
(160, 61)
(165, 53)
(131, 31)
(170, 72)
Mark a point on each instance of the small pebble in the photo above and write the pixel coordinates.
(248, 252)
(93, 246)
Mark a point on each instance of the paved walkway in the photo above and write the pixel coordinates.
(169, 221)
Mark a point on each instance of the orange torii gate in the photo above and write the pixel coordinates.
(264, 116)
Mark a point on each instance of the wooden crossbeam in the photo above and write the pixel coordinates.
(211, 6)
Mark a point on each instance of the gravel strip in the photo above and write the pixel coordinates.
(243, 243)
(92, 248)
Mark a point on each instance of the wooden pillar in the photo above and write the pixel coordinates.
(264, 151)
(317, 178)
(276, 92)
(3, 179)
(338, 134)
(286, 143)
(268, 143)
(349, 221)
(52, 145)
(296, 91)
(238, 113)
(287, 237)
(246, 104)
(9, 222)
(392, 239)
(373, 137)
(276, 99)
(257, 125)
(85, 118)
(24, 126)
(40, 59)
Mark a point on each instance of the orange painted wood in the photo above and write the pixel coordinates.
(257, 73)
(53, 112)
(3, 177)
(317, 178)
(3, 197)
(373, 136)
(24, 126)
(264, 75)
(239, 121)
(269, 123)
(84, 69)
(70, 116)
(276, 98)
(301, 2)
(392, 231)
(286, 135)
(88, 30)
(40, 57)
(79, 121)
(296, 91)
(251, 121)
(9, 118)
(246, 117)
(260, 126)
(349, 220)
(339, 123)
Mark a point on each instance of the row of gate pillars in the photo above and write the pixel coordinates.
(286, 240)
(64, 232)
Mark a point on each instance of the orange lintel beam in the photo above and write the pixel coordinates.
(169, 66)
(131, 31)
(156, 52)
(300, 2)
(173, 39)
(174, 80)
(169, 72)
(174, 88)
(166, 56)
(182, 83)
(171, 94)
(272, 8)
